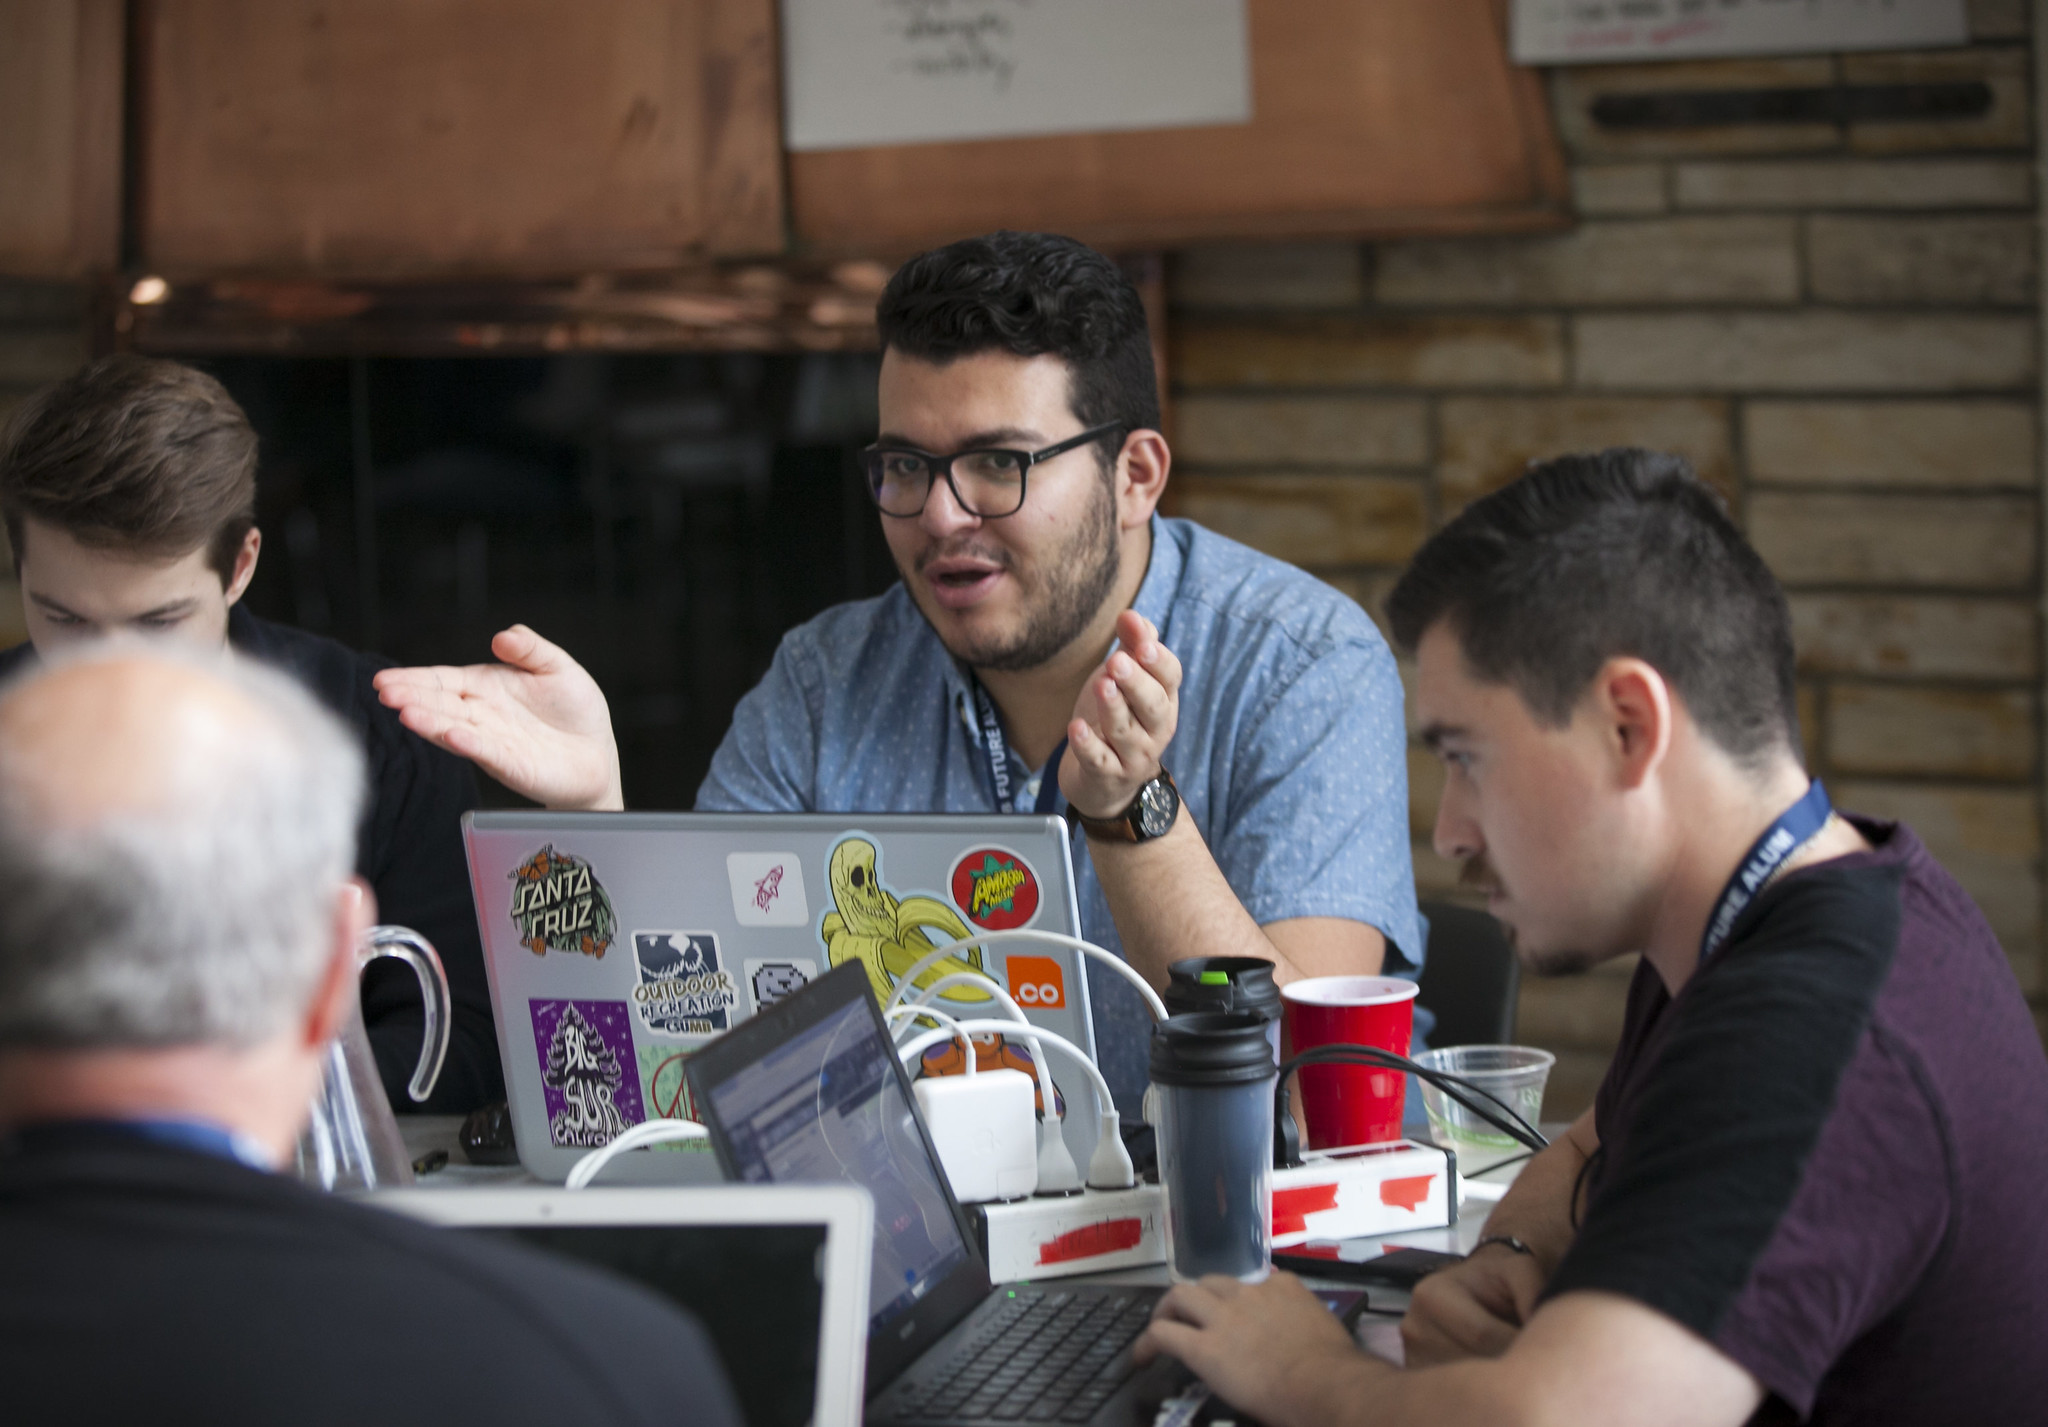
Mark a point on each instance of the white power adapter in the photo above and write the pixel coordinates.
(985, 1129)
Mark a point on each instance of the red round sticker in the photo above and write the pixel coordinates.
(996, 890)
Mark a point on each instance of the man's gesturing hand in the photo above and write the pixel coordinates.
(1271, 1349)
(537, 722)
(1471, 1310)
(1122, 722)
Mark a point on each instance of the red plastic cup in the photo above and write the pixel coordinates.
(1350, 1104)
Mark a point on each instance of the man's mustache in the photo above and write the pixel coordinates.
(1478, 875)
(994, 554)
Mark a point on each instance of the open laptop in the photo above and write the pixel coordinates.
(778, 1277)
(620, 944)
(811, 1091)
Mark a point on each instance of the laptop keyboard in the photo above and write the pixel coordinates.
(1040, 1356)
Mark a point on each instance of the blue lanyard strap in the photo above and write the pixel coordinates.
(989, 731)
(1794, 828)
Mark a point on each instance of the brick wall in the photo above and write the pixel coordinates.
(1835, 323)
(42, 338)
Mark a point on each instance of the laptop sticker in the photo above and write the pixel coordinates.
(769, 981)
(767, 889)
(586, 1065)
(996, 889)
(683, 989)
(668, 1093)
(1038, 981)
(558, 905)
(889, 934)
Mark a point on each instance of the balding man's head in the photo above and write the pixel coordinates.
(174, 830)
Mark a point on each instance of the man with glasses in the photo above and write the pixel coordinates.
(1055, 645)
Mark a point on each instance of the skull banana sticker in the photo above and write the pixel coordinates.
(888, 936)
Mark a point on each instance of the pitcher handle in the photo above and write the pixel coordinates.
(418, 953)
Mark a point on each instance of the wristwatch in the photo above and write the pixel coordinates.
(1150, 814)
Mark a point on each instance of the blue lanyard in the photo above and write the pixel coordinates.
(1793, 829)
(989, 729)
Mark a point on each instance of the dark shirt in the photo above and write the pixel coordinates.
(1825, 1155)
(409, 850)
(149, 1283)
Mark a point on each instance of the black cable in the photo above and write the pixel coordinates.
(1521, 1131)
(1502, 1164)
(1454, 1086)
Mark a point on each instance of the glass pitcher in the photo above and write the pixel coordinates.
(351, 1141)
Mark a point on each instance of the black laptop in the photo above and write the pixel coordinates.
(811, 1091)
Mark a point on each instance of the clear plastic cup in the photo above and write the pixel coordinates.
(1515, 1074)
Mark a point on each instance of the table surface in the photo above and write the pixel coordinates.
(1377, 1333)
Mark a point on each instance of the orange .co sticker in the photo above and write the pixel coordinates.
(995, 889)
(1037, 981)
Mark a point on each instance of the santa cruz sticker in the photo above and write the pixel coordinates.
(588, 1072)
(683, 989)
(558, 905)
(995, 889)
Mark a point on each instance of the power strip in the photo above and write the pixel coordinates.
(1362, 1190)
(1077, 1233)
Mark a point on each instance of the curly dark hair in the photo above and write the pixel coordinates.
(1030, 294)
(1591, 557)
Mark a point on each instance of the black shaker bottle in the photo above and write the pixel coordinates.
(1225, 983)
(1213, 1073)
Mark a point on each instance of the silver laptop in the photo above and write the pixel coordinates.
(777, 1276)
(620, 944)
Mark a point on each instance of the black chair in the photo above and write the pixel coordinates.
(1469, 978)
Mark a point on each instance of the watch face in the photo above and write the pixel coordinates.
(1156, 806)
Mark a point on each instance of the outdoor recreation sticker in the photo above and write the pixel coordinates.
(774, 979)
(767, 889)
(668, 1093)
(1037, 981)
(683, 989)
(558, 905)
(996, 889)
(586, 1064)
(888, 934)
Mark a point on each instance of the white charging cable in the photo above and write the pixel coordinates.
(904, 985)
(647, 1132)
(916, 1013)
(1110, 1166)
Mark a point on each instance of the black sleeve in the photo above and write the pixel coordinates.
(1709, 1147)
(411, 854)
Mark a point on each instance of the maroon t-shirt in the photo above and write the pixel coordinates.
(1827, 1155)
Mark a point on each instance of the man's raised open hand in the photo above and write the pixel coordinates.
(537, 722)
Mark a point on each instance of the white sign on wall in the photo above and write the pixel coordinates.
(1585, 31)
(864, 72)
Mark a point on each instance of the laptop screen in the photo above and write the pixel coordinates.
(750, 1285)
(825, 1106)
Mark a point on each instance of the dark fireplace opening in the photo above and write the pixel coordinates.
(665, 518)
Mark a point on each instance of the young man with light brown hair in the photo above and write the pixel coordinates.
(128, 491)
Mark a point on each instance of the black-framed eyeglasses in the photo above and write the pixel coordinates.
(989, 483)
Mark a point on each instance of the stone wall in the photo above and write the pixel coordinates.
(1835, 323)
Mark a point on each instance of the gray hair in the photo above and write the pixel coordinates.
(206, 920)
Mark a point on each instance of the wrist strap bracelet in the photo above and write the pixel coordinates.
(1505, 1240)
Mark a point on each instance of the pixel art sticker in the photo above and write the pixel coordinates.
(683, 989)
(772, 979)
(586, 1060)
(558, 905)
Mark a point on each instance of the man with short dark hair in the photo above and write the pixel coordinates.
(129, 496)
(1052, 635)
(177, 951)
(1809, 1187)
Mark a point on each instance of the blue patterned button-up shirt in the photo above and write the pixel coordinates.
(1290, 752)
